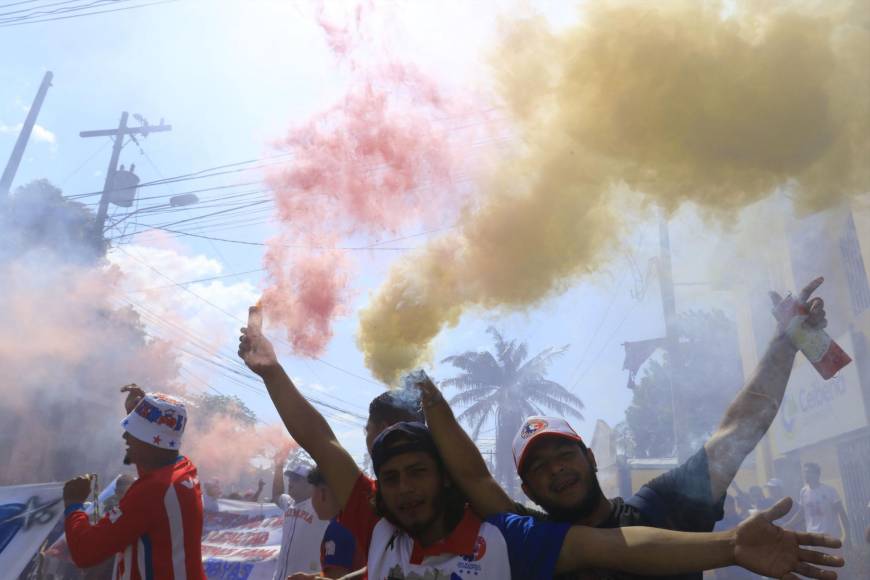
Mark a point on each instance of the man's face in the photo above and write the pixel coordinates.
(412, 489)
(811, 475)
(298, 487)
(560, 477)
(136, 450)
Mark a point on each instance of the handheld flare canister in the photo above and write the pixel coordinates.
(820, 349)
(255, 318)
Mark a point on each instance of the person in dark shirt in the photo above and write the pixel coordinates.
(558, 471)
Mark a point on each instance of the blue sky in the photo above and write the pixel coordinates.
(233, 75)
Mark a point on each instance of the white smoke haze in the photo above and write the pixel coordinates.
(76, 327)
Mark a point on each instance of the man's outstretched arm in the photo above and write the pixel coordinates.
(756, 544)
(461, 456)
(305, 424)
(751, 414)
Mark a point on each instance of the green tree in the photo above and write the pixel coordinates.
(210, 406)
(709, 375)
(39, 217)
(506, 386)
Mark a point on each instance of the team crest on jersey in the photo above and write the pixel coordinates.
(532, 427)
(478, 552)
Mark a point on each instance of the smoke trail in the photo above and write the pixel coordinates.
(673, 101)
(376, 161)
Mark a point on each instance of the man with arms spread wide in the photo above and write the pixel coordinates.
(558, 471)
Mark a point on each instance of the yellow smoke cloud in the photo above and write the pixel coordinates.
(673, 100)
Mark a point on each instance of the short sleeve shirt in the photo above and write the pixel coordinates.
(819, 505)
(503, 547)
(680, 499)
(339, 548)
(300, 539)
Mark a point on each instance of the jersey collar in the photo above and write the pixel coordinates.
(460, 541)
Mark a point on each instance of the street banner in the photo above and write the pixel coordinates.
(27, 515)
(241, 540)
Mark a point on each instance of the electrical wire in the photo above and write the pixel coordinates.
(24, 20)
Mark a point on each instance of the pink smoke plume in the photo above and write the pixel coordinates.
(375, 162)
(224, 447)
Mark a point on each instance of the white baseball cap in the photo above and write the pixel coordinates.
(536, 427)
(300, 464)
(157, 420)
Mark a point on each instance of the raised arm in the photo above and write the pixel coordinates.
(752, 412)
(91, 544)
(278, 479)
(305, 424)
(461, 456)
(756, 544)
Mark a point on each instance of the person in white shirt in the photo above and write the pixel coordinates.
(303, 529)
(819, 507)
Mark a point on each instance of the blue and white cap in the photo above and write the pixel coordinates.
(536, 427)
(157, 420)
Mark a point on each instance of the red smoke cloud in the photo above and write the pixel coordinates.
(369, 165)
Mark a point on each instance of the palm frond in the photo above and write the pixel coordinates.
(475, 411)
(539, 363)
(462, 382)
(552, 389)
(480, 365)
(472, 395)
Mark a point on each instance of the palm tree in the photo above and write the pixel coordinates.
(507, 386)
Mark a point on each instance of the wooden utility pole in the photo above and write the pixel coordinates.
(24, 137)
(672, 340)
(118, 135)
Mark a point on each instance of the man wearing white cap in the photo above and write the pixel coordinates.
(156, 528)
(303, 529)
(559, 472)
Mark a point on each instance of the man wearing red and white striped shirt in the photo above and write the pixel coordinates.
(155, 531)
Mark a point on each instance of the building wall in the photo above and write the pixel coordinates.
(818, 418)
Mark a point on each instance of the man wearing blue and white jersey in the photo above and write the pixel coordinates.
(418, 524)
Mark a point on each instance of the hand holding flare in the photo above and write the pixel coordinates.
(254, 348)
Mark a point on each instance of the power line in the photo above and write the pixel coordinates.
(24, 20)
(199, 280)
(34, 10)
(237, 319)
(201, 174)
(238, 373)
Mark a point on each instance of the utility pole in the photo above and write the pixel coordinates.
(24, 137)
(672, 340)
(118, 135)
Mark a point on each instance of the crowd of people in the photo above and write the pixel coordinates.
(433, 510)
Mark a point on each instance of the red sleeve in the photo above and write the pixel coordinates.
(358, 514)
(132, 517)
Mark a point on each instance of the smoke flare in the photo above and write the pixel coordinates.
(637, 107)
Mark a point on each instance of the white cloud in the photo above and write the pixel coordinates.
(39, 133)
(200, 318)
